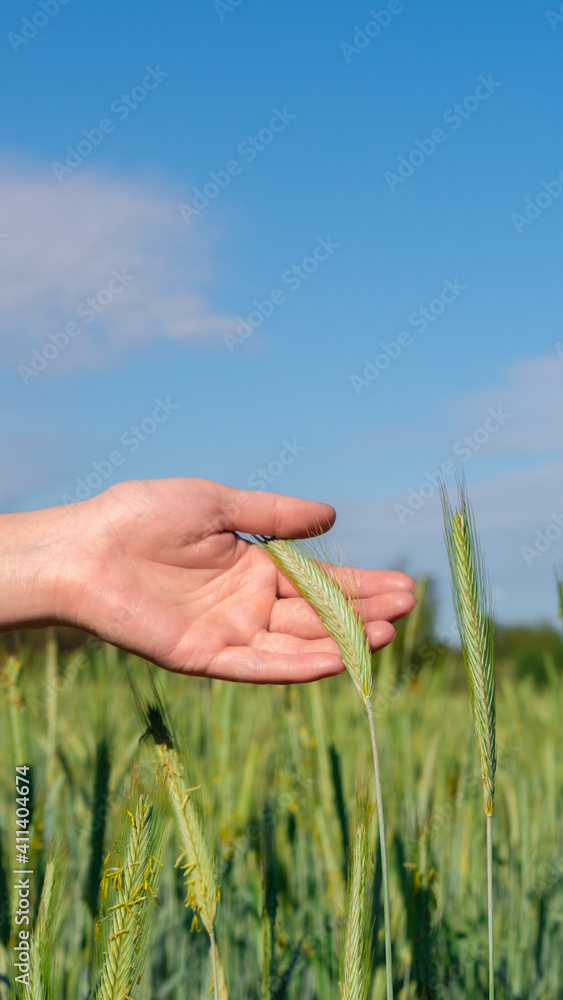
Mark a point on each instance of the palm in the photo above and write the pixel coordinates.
(177, 585)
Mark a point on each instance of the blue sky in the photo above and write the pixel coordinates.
(294, 123)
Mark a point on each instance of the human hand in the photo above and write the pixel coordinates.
(157, 568)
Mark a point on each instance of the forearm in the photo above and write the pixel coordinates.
(38, 566)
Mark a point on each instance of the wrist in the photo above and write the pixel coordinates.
(40, 567)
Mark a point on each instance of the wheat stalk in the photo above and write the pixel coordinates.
(473, 610)
(317, 583)
(51, 698)
(356, 981)
(10, 678)
(336, 883)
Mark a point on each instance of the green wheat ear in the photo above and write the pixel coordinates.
(316, 582)
(44, 978)
(129, 893)
(473, 610)
(196, 860)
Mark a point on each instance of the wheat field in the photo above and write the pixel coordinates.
(270, 775)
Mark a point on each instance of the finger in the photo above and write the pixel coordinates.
(246, 664)
(252, 666)
(379, 634)
(358, 582)
(295, 616)
(260, 513)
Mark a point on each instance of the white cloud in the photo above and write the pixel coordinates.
(528, 397)
(510, 510)
(515, 485)
(62, 242)
(532, 393)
